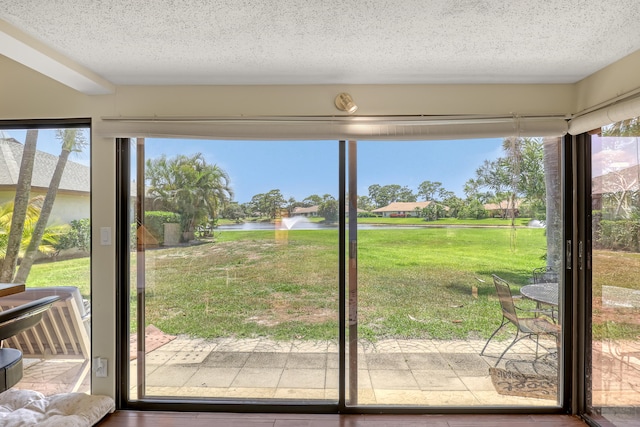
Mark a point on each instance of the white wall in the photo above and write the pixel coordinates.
(65, 208)
(26, 94)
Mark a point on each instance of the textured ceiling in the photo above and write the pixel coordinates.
(331, 41)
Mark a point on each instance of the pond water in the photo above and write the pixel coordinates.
(303, 223)
(299, 223)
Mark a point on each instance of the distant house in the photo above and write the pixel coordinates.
(73, 197)
(313, 211)
(503, 209)
(401, 209)
(310, 211)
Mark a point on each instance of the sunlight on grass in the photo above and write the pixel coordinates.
(72, 272)
(413, 283)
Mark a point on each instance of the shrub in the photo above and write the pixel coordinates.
(328, 210)
(618, 235)
(473, 210)
(433, 212)
(154, 222)
(77, 236)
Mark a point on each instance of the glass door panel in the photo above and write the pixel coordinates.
(54, 249)
(235, 276)
(615, 366)
(441, 227)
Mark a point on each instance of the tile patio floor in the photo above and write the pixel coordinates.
(390, 372)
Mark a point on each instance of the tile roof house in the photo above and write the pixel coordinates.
(73, 198)
(313, 210)
(401, 208)
(502, 209)
(310, 211)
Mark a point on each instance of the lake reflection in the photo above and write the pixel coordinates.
(298, 223)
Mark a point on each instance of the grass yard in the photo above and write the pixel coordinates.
(413, 283)
(72, 272)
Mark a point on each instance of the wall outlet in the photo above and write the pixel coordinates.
(100, 367)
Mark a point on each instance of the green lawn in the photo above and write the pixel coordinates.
(413, 283)
(73, 272)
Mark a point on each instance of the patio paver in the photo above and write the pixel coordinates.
(406, 372)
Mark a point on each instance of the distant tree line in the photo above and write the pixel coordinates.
(201, 192)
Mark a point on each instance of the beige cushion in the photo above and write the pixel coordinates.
(21, 408)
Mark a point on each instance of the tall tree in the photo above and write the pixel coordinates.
(292, 204)
(312, 200)
(275, 201)
(384, 195)
(328, 209)
(269, 203)
(72, 140)
(190, 186)
(552, 162)
(7, 214)
(494, 176)
(517, 176)
(51, 236)
(374, 194)
(428, 190)
(524, 162)
(472, 189)
(364, 203)
(20, 207)
(629, 127)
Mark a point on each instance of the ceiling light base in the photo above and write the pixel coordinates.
(344, 102)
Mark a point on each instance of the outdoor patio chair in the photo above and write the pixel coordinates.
(526, 327)
(63, 332)
(15, 321)
(544, 274)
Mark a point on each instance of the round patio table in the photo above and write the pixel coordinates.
(543, 293)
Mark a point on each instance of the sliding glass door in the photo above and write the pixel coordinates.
(346, 274)
(614, 371)
(439, 225)
(234, 270)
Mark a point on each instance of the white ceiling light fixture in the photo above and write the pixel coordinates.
(344, 102)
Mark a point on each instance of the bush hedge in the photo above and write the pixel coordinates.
(618, 235)
(78, 236)
(154, 222)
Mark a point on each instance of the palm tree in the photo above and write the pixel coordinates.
(188, 185)
(7, 215)
(73, 140)
(19, 207)
(551, 147)
(629, 127)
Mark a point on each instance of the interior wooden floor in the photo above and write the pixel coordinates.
(189, 419)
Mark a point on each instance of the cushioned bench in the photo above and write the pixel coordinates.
(19, 408)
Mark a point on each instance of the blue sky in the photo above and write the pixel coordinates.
(48, 143)
(301, 168)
